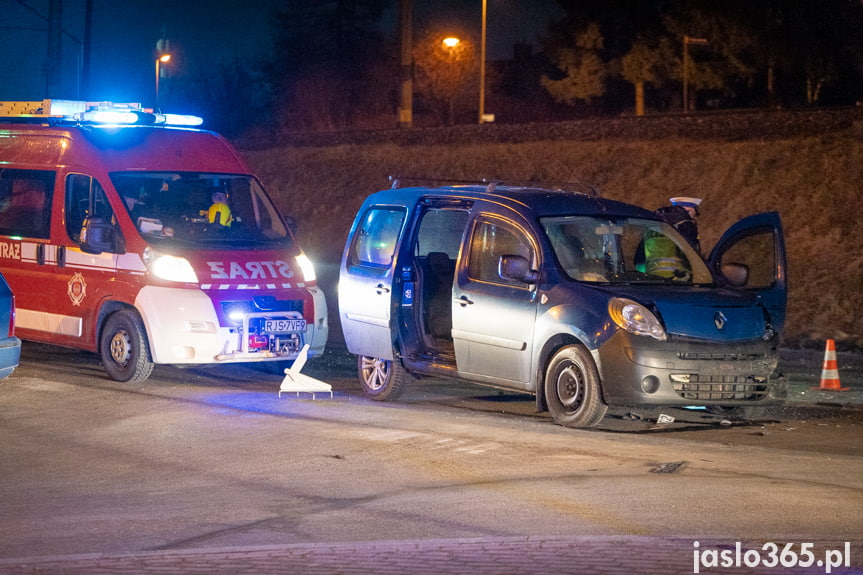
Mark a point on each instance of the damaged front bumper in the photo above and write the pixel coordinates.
(637, 370)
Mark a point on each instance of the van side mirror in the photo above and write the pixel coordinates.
(98, 236)
(736, 274)
(516, 268)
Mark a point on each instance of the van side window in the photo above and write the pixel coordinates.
(25, 203)
(489, 241)
(376, 239)
(79, 188)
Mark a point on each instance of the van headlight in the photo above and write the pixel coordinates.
(307, 268)
(170, 268)
(635, 318)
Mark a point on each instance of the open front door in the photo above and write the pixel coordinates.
(366, 278)
(751, 256)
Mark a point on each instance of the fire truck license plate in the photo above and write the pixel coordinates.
(284, 325)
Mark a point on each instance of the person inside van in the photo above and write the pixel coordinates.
(220, 213)
(135, 203)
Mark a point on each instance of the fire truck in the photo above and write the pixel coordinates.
(146, 239)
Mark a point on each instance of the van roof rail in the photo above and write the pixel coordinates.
(491, 184)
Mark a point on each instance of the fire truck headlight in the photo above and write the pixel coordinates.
(307, 268)
(170, 268)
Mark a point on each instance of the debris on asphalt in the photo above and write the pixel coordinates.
(672, 467)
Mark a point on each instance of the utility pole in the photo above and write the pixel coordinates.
(686, 42)
(85, 49)
(52, 67)
(53, 63)
(407, 72)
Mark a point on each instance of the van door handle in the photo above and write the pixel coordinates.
(463, 301)
(382, 289)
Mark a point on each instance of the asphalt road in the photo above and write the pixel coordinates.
(199, 459)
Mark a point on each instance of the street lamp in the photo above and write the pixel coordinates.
(451, 46)
(482, 67)
(163, 59)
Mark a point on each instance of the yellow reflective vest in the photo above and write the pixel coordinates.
(220, 213)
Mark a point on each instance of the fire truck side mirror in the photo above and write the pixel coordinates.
(99, 236)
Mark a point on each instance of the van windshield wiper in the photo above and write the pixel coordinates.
(639, 278)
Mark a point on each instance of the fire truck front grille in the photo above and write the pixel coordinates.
(233, 311)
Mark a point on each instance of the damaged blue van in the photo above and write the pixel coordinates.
(584, 302)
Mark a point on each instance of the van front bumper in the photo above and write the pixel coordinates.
(637, 370)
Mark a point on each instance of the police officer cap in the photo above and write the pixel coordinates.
(686, 202)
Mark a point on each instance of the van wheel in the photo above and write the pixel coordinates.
(124, 349)
(572, 388)
(382, 379)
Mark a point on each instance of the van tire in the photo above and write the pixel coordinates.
(124, 348)
(382, 379)
(572, 390)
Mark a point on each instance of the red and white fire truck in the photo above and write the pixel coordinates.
(147, 240)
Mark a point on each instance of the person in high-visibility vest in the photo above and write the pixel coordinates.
(663, 257)
(219, 212)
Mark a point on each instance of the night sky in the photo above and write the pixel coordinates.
(201, 34)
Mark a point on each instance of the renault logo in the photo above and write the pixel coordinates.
(719, 320)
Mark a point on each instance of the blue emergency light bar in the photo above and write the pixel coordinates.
(179, 120)
(101, 113)
(107, 117)
(114, 117)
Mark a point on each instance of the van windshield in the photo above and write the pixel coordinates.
(200, 208)
(624, 250)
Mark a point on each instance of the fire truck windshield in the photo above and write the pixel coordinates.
(200, 208)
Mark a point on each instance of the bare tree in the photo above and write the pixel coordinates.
(321, 63)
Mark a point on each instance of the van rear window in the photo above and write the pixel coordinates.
(377, 237)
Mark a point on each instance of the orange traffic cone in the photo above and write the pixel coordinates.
(830, 370)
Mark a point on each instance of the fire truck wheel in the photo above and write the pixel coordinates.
(124, 349)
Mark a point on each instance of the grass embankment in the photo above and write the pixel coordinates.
(815, 183)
